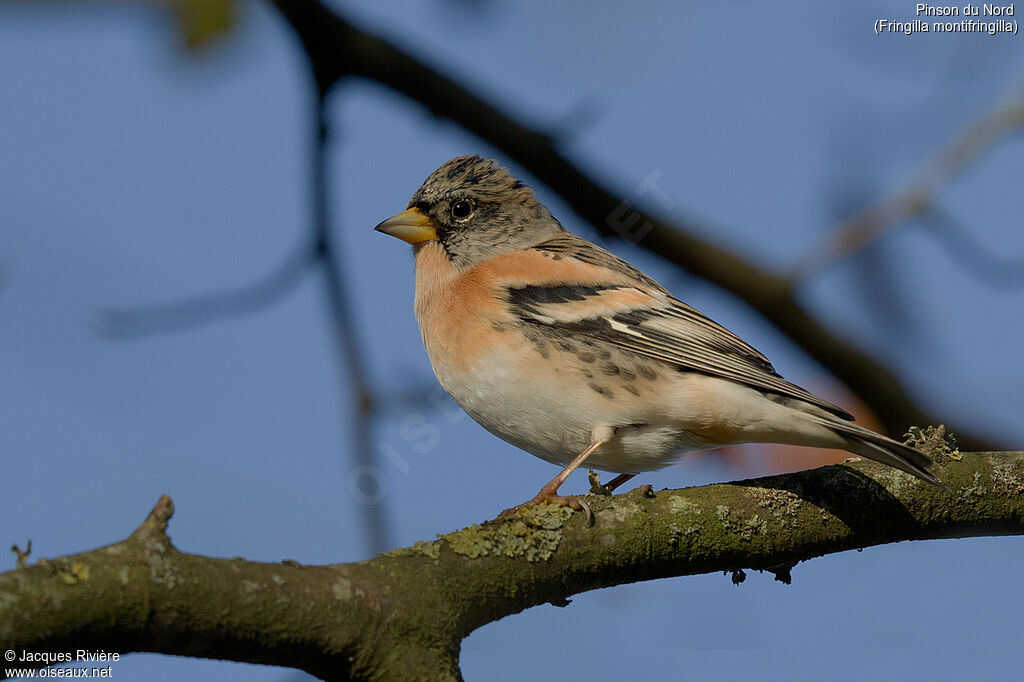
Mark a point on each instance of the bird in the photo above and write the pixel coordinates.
(559, 347)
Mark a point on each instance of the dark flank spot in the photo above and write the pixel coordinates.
(646, 372)
(586, 356)
(632, 389)
(587, 373)
(604, 354)
(627, 374)
(567, 347)
(542, 348)
(602, 390)
(776, 398)
(555, 256)
(609, 369)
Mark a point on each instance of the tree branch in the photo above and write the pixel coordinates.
(350, 352)
(316, 251)
(403, 614)
(200, 310)
(867, 225)
(337, 49)
(994, 269)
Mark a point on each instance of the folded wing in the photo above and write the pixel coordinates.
(628, 310)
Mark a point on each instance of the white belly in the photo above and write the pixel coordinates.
(554, 417)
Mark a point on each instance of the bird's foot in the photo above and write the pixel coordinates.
(550, 496)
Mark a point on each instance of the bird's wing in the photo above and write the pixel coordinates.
(599, 296)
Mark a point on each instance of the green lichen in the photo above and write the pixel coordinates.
(894, 481)
(162, 571)
(420, 548)
(622, 511)
(72, 574)
(678, 504)
(753, 526)
(123, 575)
(781, 505)
(67, 572)
(976, 489)
(548, 516)
(534, 534)
(251, 586)
(471, 542)
(1008, 478)
(674, 534)
(343, 589)
(933, 440)
(677, 533)
(724, 514)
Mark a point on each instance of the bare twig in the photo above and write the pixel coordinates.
(986, 267)
(22, 554)
(864, 227)
(195, 312)
(349, 350)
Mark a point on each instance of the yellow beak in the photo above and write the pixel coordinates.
(410, 226)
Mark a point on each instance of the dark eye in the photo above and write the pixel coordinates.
(462, 209)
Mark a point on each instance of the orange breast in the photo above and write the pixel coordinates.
(459, 312)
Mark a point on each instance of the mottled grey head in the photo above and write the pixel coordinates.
(476, 210)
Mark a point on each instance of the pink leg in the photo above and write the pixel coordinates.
(549, 493)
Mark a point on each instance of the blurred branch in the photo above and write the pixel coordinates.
(403, 615)
(337, 49)
(316, 251)
(989, 268)
(201, 310)
(349, 350)
(864, 227)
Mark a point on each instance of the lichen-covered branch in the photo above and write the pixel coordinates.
(402, 615)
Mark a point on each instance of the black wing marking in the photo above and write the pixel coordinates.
(648, 321)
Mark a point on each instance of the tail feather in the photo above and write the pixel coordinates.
(885, 450)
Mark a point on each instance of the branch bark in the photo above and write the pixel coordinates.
(337, 49)
(402, 615)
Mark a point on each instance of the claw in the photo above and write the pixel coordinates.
(572, 501)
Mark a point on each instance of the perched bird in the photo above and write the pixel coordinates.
(557, 346)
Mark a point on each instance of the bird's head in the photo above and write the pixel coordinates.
(475, 210)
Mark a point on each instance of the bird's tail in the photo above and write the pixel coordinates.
(861, 441)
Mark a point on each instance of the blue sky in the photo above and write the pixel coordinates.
(133, 174)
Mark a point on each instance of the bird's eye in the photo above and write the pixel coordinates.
(462, 209)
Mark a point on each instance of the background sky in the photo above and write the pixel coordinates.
(133, 173)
